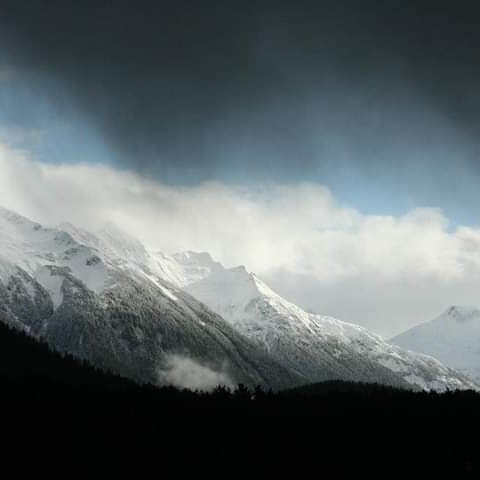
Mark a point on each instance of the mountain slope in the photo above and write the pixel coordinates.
(98, 298)
(129, 254)
(453, 338)
(317, 347)
(30, 364)
(150, 316)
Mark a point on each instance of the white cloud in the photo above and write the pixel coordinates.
(384, 272)
(183, 372)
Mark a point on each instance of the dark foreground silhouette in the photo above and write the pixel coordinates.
(61, 416)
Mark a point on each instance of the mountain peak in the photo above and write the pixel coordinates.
(239, 270)
(232, 289)
(317, 347)
(461, 313)
(197, 260)
(452, 337)
(185, 268)
(189, 256)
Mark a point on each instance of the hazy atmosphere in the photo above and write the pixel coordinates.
(330, 147)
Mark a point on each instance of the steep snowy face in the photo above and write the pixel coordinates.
(196, 265)
(183, 268)
(37, 250)
(231, 291)
(316, 346)
(116, 248)
(453, 338)
(101, 297)
(123, 251)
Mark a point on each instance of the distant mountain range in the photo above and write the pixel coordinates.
(183, 319)
(453, 338)
(315, 346)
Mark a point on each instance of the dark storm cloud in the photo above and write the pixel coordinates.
(191, 90)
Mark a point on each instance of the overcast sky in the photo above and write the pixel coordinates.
(330, 146)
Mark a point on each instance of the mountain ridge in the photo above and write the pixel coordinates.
(318, 347)
(453, 337)
(117, 313)
(162, 318)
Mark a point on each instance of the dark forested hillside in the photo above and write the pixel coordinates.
(25, 361)
(54, 410)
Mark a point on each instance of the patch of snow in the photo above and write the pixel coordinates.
(393, 365)
(52, 283)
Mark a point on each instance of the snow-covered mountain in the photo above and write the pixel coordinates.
(315, 346)
(101, 298)
(129, 254)
(183, 318)
(453, 338)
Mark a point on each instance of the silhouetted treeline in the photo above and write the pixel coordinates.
(54, 409)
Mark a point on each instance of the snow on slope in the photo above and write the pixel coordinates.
(195, 266)
(36, 249)
(125, 252)
(316, 346)
(100, 297)
(453, 338)
(104, 297)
